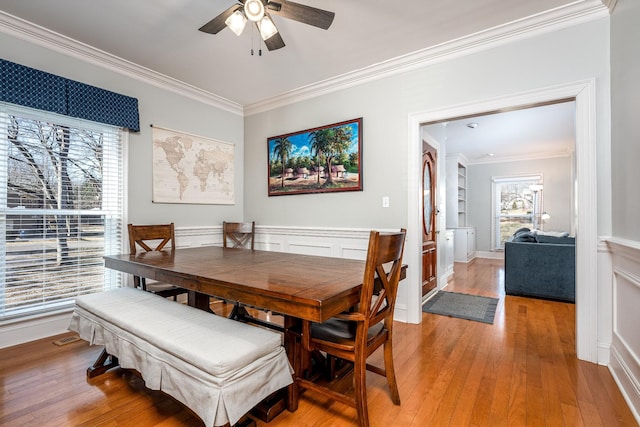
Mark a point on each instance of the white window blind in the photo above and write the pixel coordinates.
(61, 209)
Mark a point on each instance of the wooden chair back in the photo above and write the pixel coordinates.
(238, 234)
(355, 335)
(381, 278)
(153, 238)
(158, 236)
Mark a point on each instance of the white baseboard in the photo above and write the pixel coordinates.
(626, 377)
(20, 332)
(490, 254)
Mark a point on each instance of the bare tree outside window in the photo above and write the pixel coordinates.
(54, 214)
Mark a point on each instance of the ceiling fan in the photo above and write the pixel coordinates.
(259, 11)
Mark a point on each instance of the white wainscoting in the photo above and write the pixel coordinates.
(625, 296)
(333, 242)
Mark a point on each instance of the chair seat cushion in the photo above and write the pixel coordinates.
(159, 287)
(340, 331)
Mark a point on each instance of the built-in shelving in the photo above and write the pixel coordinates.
(456, 173)
(462, 195)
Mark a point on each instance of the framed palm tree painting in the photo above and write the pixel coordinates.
(319, 160)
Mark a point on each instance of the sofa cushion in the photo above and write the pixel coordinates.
(552, 233)
(565, 240)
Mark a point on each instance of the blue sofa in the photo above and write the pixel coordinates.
(540, 266)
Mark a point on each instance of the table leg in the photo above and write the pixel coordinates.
(198, 300)
(293, 345)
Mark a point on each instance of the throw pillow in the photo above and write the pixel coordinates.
(521, 230)
(525, 237)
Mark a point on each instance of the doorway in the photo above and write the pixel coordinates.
(586, 219)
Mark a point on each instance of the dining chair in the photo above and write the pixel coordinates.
(242, 235)
(353, 336)
(153, 238)
(238, 234)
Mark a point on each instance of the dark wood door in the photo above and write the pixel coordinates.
(429, 211)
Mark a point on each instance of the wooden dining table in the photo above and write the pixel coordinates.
(301, 286)
(297, 286)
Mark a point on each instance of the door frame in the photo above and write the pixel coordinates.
(584, 94)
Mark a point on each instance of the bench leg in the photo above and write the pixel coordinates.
(103, 363)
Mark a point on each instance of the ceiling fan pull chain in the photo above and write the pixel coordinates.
(252, 34)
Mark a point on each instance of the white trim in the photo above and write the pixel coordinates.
(490, 254)
(605, 301)
(519, 158)
(548, 21)
(624, 362)
(579, 11)
(586, 247)
(611, 4)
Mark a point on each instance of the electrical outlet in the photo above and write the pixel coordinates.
(385, 201)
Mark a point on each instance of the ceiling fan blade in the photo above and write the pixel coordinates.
(217, 24)
(274, 42)
(301, 13)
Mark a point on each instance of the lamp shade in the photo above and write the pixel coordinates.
(236, 22)
(267, 27)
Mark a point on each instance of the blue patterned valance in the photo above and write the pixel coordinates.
(36, 89)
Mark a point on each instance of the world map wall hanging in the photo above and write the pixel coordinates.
(192, 169)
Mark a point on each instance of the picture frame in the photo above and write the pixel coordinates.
(298, 162)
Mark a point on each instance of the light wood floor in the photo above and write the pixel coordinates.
(520, 371)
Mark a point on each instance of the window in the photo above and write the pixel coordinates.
(61, 209)
(514, 204)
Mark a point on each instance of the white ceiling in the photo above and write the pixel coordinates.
(536, 132)
(162, 36)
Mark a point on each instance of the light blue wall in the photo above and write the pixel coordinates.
(568, 55)
(159, 107)
(625, 125)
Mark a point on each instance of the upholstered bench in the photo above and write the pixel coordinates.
(219, 368)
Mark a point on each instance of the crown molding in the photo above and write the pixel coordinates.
(537, 156)
(552, 20)
(611, 4)
(41, 36)
(562, 17)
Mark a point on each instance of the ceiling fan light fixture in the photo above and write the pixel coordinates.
(236, 22)
(267, 27)
(254, 10)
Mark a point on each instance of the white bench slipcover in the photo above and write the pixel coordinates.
(219, 368)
